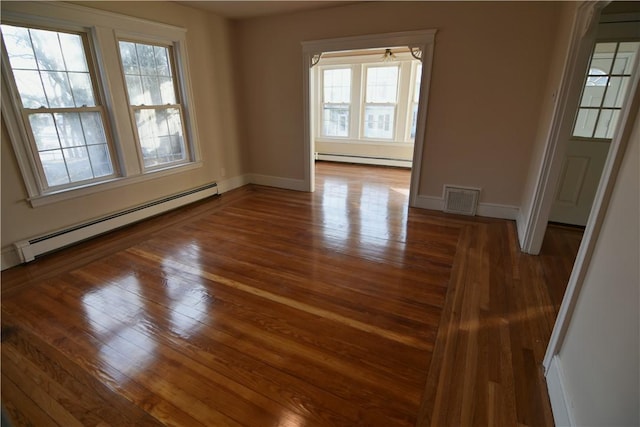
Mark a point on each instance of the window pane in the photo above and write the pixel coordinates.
(30, 88)
(78, 163)
(73, 52)
(47, 48)
(69, 129)
(55, 170)
(72, 132)
(19, 48)
(129, 58)
(416, 88)
(162, 61)
(585, 123)
(100, 160)
(379, 121)
(161, 136)
(147, 74)
(337, 86)
(44, 131)
(81, 89)
(335, 120)
(414, 121)
(382, 84)
(57, 88)
(93, 128)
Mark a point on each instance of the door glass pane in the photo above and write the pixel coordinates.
(603, 57)
(592, 95)
(605, 89)
(616, 92)
(604, 124)
(626, 55)
(585, 123)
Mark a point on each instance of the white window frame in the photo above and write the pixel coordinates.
(21, 113)
(103, 31)
(323, 103)
(359, 65)
(365, 104)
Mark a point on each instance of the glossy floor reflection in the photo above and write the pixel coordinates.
(267, 307)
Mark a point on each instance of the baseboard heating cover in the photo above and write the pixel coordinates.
(27, 250)
(461, 200)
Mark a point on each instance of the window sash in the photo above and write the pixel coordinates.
(80, 174)
(157, 149)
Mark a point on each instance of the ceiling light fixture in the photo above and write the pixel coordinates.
(388, 56)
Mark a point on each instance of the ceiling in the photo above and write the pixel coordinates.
(241, 9)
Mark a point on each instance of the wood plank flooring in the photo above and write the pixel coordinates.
(267, 307)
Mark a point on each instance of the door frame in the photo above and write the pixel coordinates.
(422, 40)
(583, 38)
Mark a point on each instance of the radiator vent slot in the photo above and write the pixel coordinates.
(461, 200)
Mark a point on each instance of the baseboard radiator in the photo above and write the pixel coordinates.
(28, 250)
(366, 160)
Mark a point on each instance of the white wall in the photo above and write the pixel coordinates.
(600, 355)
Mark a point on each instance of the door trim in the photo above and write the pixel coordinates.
(423, 40)
(629, 113)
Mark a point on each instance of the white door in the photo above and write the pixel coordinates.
(605, 89)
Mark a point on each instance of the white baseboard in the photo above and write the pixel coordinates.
(490, 210)
(364, 160)
(233, 183)
(9, 258)
(27, 250)
(562, 415)
(279, 182)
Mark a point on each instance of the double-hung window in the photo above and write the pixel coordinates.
(153, 99)
(94, 101)
(381, 97)
(60, 105)
(336, 100)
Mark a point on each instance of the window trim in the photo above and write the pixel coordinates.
(180, 104)
(102, 30)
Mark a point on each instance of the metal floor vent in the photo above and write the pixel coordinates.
(461, 200)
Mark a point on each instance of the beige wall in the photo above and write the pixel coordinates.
(600, 353)
(549, 97)
(209, 43)
(490, 68)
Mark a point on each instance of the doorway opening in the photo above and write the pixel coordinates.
(359, 105)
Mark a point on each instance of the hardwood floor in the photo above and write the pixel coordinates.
(267, 307)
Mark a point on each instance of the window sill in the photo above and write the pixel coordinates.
(68, 194)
